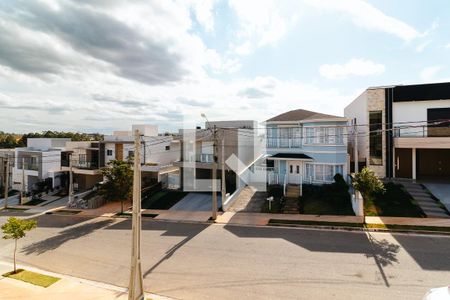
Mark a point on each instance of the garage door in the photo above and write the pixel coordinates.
(433, 163)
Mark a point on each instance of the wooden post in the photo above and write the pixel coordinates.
(224, 187)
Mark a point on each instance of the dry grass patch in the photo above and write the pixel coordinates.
(33, 278)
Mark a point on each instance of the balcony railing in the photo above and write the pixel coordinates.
(422, 131)
(284, 142)
(28, 166)
(205, 158)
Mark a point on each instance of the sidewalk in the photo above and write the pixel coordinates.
(67, 287)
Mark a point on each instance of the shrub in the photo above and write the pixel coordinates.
(367, 183)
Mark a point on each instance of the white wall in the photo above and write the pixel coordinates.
(146, 129)
(358, 109)
(47, 143)
(414, 111)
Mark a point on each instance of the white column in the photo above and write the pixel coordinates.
(414, 163)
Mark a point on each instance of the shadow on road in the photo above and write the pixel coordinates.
(65, 236)
(186, 230)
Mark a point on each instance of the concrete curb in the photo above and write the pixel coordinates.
(349, 228)
(98, 284)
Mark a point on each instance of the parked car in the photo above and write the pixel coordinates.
(442, 293)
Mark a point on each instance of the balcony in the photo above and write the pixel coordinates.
(284, 143)
(28, 166)
(88, 165)
(204, 158)
(421, 131)
(423, 137)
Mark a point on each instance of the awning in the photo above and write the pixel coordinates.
(290, 156)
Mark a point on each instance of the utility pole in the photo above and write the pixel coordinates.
(355, 144)
(6, 181)
(136, 286)
(223, 184)
(23, 181)
(214, 176)
(70, 181)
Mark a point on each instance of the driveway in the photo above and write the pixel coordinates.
(249, 200)
(197, 202)
(441, 191)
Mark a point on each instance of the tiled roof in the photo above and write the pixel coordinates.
(300, 115)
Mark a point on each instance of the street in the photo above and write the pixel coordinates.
(206, 261)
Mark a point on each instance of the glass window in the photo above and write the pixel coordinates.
(131, 153)
(319, 172)
(339, 135)
(331, 134)
(375, 138)
(322, 135)
(309, 171)
(290, 169)
(109, 152)
(328, 172)
(309, 135)
(167, 148)
(298, 169)
(339, 169)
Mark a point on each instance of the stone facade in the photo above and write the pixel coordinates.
(376, 101)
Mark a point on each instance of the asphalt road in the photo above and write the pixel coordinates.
(199, 261)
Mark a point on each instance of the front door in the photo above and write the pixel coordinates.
(294, 172)
(403, 163)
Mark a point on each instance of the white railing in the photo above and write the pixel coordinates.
(284, 142)
(284, 184)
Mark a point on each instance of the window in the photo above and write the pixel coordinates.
(322, 135)
(309, 171)
(309, 135)
(322, 172)
(167, 148)
(339, 135)
(109, 152)
(131, 153)
(290, 169)
(331, 135)
(328, 172)
(375, 138)
(298, 169)
(339, 169)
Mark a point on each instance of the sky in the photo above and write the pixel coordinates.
(102, 65)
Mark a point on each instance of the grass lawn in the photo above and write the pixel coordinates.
(325, 200)
(33, 278)
(275, 191)
(395, 202)
(164, 199)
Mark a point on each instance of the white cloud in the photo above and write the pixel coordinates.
(447, 46)
(422, 46)
(261, 23)
(367, 16)
(354, 67)
(428, 74)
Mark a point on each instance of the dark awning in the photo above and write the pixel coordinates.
(286, 156)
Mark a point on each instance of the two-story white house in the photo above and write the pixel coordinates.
(39, 162)
(403, 130)
(306, 147)
(158, 152)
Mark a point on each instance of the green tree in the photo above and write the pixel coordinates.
(118, 181)
(367, 183)
(16, 229)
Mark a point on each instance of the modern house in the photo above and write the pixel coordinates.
(4, 155)
(87, 161)
(158, 152)
(403, 131)
(305, 147)
(38, 163)
(234, 141)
